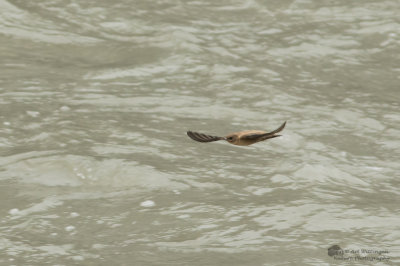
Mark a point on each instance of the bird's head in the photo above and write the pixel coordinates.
(231, 138)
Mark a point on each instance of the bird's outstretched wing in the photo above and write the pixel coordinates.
(268, 135)
(279, 129)
(202, 137)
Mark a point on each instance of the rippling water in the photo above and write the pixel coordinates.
(96, 97)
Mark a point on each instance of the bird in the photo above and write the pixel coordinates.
(242, 138)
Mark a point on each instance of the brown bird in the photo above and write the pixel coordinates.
(242, 138)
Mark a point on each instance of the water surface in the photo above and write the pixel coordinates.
(96, 98)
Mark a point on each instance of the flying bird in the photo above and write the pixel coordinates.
(242, 138)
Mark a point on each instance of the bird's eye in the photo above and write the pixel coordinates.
(230, 138)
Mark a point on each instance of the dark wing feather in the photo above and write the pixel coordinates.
(202, 137)
(253, 136)
(264, 136)
(279, 129)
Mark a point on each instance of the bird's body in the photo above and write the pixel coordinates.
(242, 138)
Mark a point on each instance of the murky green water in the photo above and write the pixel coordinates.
(96, 99)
